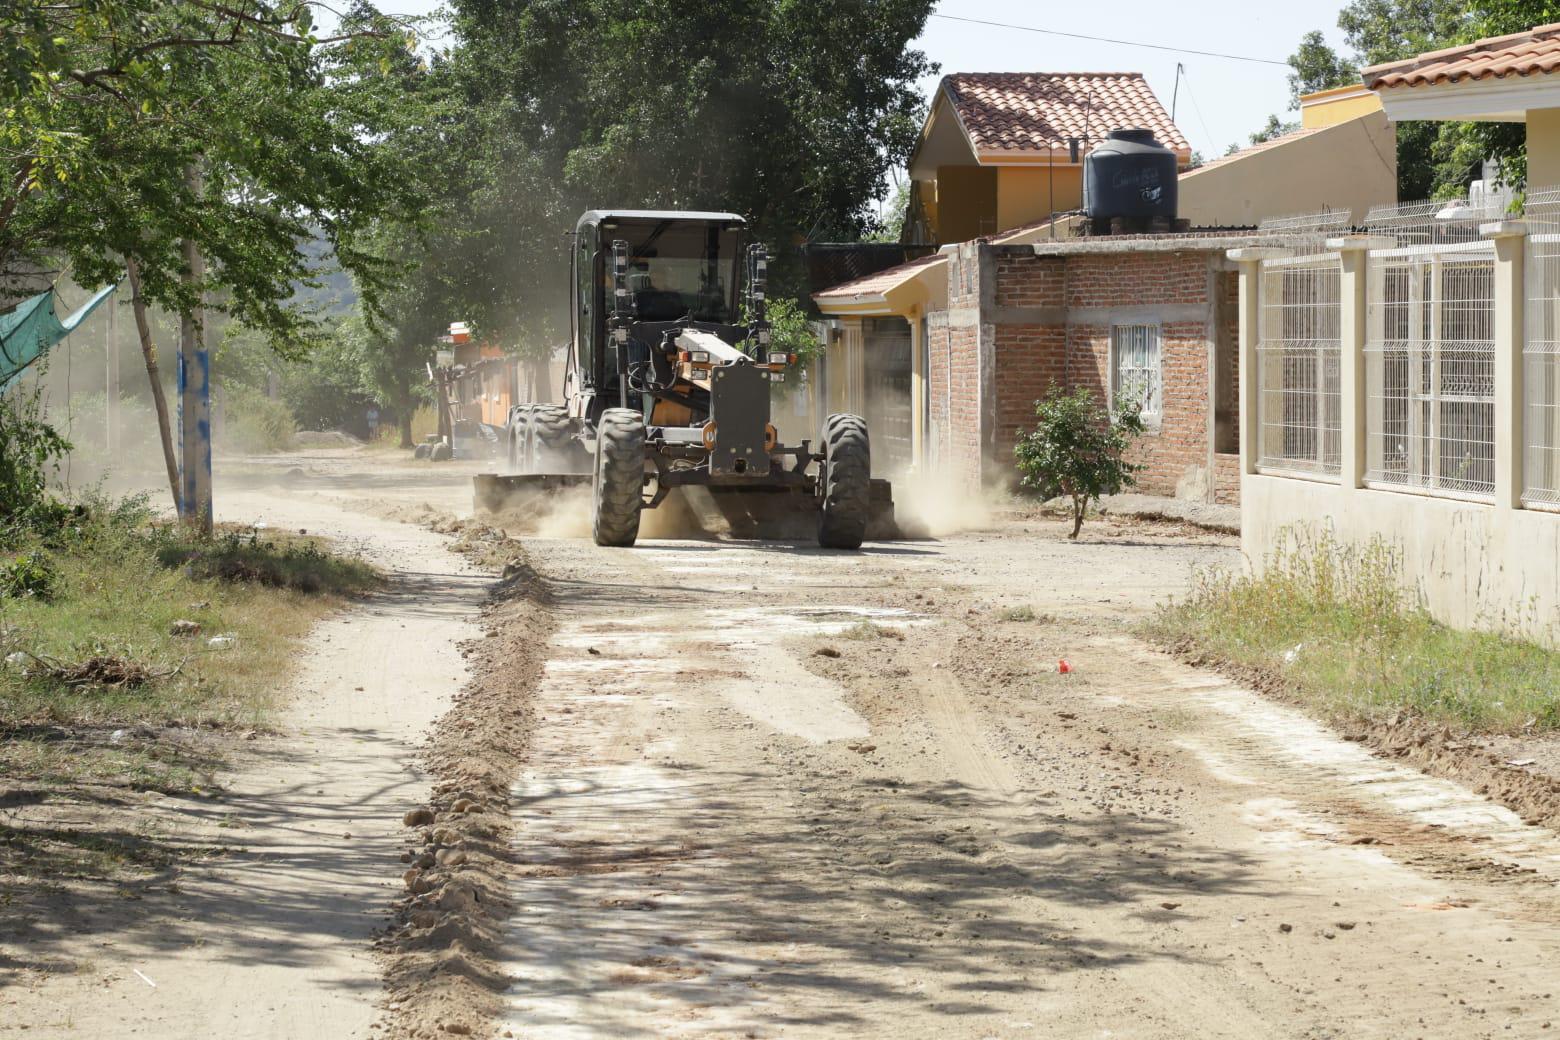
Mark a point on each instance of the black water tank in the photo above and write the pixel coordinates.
(1130, 175)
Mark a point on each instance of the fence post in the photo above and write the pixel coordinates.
(1353, 252)
(1510, 238)
(1250, 260)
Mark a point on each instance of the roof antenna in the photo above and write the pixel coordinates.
(1175, 92)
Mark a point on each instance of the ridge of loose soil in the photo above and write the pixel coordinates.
(442, 956)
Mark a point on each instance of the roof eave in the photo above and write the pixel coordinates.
(1505, 99)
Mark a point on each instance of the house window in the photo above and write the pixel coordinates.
(1134, 370)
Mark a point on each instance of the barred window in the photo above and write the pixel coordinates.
(1135, 369)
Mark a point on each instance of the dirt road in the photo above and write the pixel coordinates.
(772, 791)
(750, 814)
(265, 932)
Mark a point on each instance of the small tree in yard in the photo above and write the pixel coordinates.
(1078, 450)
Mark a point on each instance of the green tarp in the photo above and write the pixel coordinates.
(28, 331)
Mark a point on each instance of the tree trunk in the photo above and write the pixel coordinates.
(406, 428)
(149, 352)
(1079, 506)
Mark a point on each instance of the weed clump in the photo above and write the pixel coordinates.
(236, 556)
(1333, 624)
(869, 630)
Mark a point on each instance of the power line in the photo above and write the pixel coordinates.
(1106, 39)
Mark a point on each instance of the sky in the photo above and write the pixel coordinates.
(1222, 101)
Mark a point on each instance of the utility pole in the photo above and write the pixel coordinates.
(194, 391)
(111, 379)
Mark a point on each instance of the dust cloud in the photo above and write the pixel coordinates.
(567, 514)
(932, 506)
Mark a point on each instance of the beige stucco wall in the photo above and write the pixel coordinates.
(1475, 565)
(1543, 147)
(1351, 165)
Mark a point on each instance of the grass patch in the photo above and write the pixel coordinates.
(1332, 623)
(118, 583)
(283, 562)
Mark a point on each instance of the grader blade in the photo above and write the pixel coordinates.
(781, 514)
(506, 492)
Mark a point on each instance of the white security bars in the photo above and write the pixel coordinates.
(1298, 407)
(1135, 369)
(1430, 353)
(1541, 352)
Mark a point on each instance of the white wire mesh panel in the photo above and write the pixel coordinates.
(1541, 352)
(1430, 365)
(1298, 366)
(1429, 223)
(1323, 223)
(1135, 369)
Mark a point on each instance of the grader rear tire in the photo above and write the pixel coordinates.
(847, 482)
(520, 438)
(617, 491)
(550, 428)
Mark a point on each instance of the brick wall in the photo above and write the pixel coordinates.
(1174, 451)
(1049, 320)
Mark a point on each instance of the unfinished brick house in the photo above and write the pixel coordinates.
(1150, 319)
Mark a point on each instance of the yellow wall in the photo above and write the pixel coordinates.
(966, 202)
(1024, 194)
(1543, 147)
(1350, 166)
(1331, 107)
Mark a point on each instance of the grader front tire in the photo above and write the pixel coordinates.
(618, 487)
(847, 482)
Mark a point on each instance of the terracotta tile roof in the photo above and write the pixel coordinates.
(881, 282)
(1520, 54)
(1293, 135)
(1037, 111)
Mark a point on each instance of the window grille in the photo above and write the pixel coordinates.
(1299, 366)
(1135, 370)
(1541, 352)
(1430, 365)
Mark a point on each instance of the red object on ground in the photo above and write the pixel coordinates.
(1064, 666)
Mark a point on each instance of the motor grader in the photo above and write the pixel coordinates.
(667, 386)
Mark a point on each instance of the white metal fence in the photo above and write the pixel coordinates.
(1298, 366)
(1541, 352)
(1430, 353)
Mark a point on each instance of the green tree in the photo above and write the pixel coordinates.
(1274, 129)
(786, 111)
(1434, 160)
(138, 127)
(1317, 67)
(30, 451)
(1078, 450)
